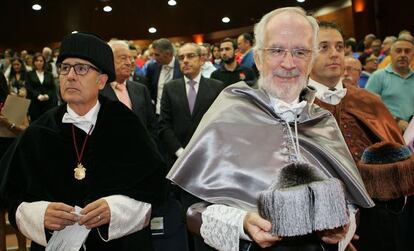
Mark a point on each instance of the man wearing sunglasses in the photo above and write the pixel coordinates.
(88, 164)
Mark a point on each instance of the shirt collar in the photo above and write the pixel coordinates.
(321, 88)
(196, 79)
(90, 116)
(389, 69)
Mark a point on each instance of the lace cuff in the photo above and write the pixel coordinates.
(221, 227)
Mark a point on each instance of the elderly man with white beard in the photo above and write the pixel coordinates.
(271, 169)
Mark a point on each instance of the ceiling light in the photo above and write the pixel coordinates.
(225, 19)
(152, 30)
(73, 32)
(172, 2)
(107, 8)
(36, 7)
(300, 1)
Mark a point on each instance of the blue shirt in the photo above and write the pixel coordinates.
(396, 92)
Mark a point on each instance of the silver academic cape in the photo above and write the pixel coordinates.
(241, 143)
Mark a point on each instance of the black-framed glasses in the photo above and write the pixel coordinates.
(80, 69)
(188, 55)
(279, 52)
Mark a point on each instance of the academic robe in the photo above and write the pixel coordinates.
(120, 159)
(241, 142)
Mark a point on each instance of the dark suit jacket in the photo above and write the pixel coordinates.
(177, 124)
(140, 101)
(35, 88)
(153, 75)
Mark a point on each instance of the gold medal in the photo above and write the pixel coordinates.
(80, 172)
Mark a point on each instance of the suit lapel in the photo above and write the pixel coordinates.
(132, 96)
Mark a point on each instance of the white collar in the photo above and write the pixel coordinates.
(287, 111)
(328, 96)
(196, 79)
(82, 122)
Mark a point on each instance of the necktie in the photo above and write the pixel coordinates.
(191, 95)
(122, 94)
(67, 118)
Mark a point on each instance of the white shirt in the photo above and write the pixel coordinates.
(166, 75)
(196, 85)
(207, 69)
(82, 122)
(41, 76)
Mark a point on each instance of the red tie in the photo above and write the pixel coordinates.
(122, 94)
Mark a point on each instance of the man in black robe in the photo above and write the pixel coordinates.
(89, 152)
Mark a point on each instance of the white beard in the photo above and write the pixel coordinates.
(283, 91)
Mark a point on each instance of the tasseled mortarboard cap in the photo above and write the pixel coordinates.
(89, 47)
(387, 170)
(302, 200)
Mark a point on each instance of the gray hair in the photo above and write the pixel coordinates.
(259, 29)
(164, 45)
(117, 44)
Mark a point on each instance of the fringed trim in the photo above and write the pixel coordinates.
(301, 201)
(388, 181)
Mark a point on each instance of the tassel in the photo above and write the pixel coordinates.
(330, 207)
(302, 200)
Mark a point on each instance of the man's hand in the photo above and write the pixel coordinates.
(59, 215)
(333, 236)
(95, 214)
(259, 230)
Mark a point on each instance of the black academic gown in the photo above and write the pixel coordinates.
(120, 158)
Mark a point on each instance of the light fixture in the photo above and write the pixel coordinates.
(107, 8)
(36, 7)
(300, 1)
(172, 2)
(152, 30)
(73, 32)
(225, 19)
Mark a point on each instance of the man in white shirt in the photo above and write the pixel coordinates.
(88, 164)
(249, 136)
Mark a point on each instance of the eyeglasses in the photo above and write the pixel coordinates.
(80, 69)
(189, 56)
(278, 52)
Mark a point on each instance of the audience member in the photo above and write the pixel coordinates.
(41, 89)
(395, 83)
(231, 72)
(352, 71)
(133, 95)
(369, 65)
(165, 68)
(207, 68)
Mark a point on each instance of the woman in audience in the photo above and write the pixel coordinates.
(41, 88)
(17, 77)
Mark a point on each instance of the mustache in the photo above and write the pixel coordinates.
(285, 73)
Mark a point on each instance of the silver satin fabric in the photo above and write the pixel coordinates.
(241, 143)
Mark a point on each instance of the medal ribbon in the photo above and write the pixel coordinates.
(79, 156)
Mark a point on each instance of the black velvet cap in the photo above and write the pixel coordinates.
(88, 47)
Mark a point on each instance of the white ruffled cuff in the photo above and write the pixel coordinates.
(127, 216)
